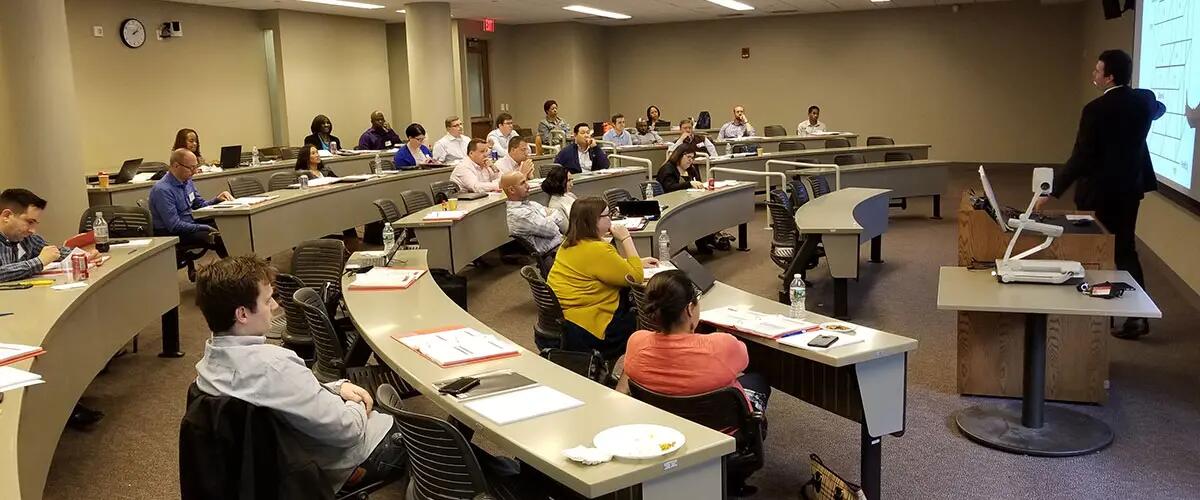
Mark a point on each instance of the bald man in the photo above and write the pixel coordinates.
(528, 219)
(380, 135)
(172, 200)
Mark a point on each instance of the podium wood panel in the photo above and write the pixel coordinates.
(990, 345)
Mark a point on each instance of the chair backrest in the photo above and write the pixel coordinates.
(270, 152)
(819, 185)
(444, 188)
(550, 316)
(384, 164)
(848, 159)
(783, 225)
(151, 166)
(775, 130)
(297, 323)
(288, 153)
(724, 409)
(317, 262)
(328, 346)
(838, 142)
(442, 462)
(245, 186)
(799, 193)
(123, 221)
(544, 170)
(655, 187)
(388, 211)
(415, 200)
(388, 399)
(897, 156)
(637, 297)
(614, 195)
(791, 146)
(879, 140)
(281, 180)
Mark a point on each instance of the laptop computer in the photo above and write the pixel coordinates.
(695, 271)
(649, 209)
(231, 156)
(128, 169)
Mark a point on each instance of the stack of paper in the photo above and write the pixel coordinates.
(319, 181)
(803, 339)
(663, 265)
(445, 215)
(386, 278)
(133, 243)
(13, 378)
(243, 202)
(631, 223)
(521, 405)
(771, 326)
(11, 353)
(458, 346)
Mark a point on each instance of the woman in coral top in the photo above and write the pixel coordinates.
(679, 362)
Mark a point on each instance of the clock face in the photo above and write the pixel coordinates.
(133, 33)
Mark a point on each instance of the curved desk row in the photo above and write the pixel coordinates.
(455, 244)
(80, 329)
(691, 214)
(694, 472)
(297, 215)
(211, 183)
(904, 178)
(758, 163)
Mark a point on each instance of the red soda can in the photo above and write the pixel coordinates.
(79, 267)
(712, 184)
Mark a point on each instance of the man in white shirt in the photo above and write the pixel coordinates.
(540, 226)
(475, 173)
(518, 158)
(738, 127)
(334, 422)
(812, 124)
(686, 137)
(453, 146)
(504, 132)
(618, 135)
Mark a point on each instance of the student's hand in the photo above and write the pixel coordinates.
(225, 196)
(351, 392)
(49, 254)
(94, 256)
(526, 168)
(1042, 200)
(697, 185)
(649, 262)
(619, 232)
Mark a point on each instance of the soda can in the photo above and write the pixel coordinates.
(712, 184)
(79, 267)
(303, 180)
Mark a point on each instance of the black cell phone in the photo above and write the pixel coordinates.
(364, 269)
(459, 386)
(822, 341)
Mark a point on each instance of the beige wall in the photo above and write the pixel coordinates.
(992, 82)
(1100, 35)
(397, 50)
(6, 131)
(570, 66)
(132, 101)
(336, 66)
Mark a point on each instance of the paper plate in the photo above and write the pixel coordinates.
(838, 327)
(639, 440)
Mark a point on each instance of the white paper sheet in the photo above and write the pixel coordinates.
(522, 405)
(13, 378)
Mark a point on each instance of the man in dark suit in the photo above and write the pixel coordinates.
(582, 154)
(1110, 164)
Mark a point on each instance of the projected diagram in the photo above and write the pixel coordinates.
(1170, 32)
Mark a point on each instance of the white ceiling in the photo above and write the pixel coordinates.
(545, 11)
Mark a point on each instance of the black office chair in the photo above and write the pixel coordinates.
(318, 262)
(722, 410)
(848, 159)
(774, 131)
(295, 334)
(186, 254)
(897, 156)
(281, 180)
(614, 195)
(799, 193)
(818, 185)
(443, 190)
(241, 187)
(548, 330)
(329, 346)
(792, 146)
(525, 133)
(270, 153)
(783, 235)
(415, 201)
(637, 297)
(123, 221)
(544, 261)
(838, 142)
(878, 140)
(655, 187)
(745, 148)
(544, 169)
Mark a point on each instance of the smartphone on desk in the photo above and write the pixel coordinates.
(459, 386)
(822, 341)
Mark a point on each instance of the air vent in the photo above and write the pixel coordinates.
(786, 11)
(735, 14)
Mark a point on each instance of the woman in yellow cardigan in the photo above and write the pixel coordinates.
(589, 279)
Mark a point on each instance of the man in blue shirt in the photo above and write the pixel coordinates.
(618, 135)
(172, 200)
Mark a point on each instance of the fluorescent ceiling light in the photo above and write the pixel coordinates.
(732, 4)
(345, 3)
(596, 12)
(401, 11)
(880, 1)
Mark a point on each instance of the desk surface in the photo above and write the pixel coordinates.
(781, 138)
(799, 154)
(538, 441)
(288, 196)
(262, 167)
(835, 212)
(869, 167)
(961, 289)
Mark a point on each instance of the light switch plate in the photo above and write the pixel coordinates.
(98, 31)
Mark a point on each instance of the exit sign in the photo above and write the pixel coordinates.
(489, 24)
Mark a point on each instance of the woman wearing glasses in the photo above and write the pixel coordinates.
(414, 152)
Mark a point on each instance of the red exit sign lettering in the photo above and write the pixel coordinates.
(489, 24)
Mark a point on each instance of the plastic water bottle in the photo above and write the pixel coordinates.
(100, 230)
(389, 237)
(649, 192)
(796, 295)
(664, 245)
(376, 167)
(254, 157)
(303, 181)
(728, 148)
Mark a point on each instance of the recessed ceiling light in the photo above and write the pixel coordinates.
(880, 1)
(597, 12)
(345, 3)
(401, 11)
(732, 4)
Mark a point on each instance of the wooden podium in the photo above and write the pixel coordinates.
(990, 345)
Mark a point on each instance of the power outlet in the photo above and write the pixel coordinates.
(98, 31)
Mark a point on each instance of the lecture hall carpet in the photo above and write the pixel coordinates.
(1154, 405)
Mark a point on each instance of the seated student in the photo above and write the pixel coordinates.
(652, 117)
(518, 159)
(812, 124)
(542, 227)
(334, 422)
(558, 185)
(689, 138)
(552, 122)
(645, 134)
(452, 147)
(172, 200)
(582, 154)
(309, 162)
(498, 138)
(413, 152)
(679, 362)
(475, 173)
(380, 135)
(618, 134)
(188, 139)
(24, 253)
(679, 173)
(322, 135)
(589, 279)
(738, 127)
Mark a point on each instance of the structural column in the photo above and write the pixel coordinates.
(430, 62)
(44, 146)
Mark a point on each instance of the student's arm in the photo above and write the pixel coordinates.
(162, 205)
(314, 409)
(609, 268)
(731, 352)
(601, 160)
(1084, 154)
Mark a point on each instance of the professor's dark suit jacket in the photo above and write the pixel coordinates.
(1110, 160)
